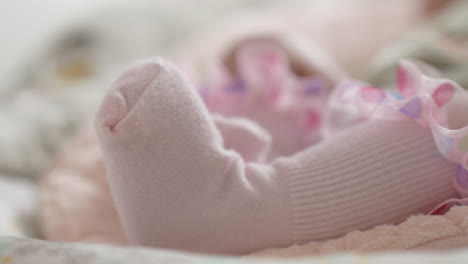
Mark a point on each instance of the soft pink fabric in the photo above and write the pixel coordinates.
(69, 213)
(77, 178)
(75, 198)
(79, 172)
(176, 186)
(259, 81)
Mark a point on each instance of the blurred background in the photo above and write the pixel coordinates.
(59, 57)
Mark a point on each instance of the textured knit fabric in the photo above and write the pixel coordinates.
(76, 204)
(94, 218)
(421, 232)
(176, 186)
(277, 128)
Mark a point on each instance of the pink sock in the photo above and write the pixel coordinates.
(176, 185)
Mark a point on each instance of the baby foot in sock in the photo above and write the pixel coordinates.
(175, 184)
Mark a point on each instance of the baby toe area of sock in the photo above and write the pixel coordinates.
(125, 109)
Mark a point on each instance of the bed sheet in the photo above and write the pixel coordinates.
(26, 251)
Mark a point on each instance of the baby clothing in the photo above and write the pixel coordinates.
(176, 184)
(77, 206)
(263, 87)
(81, 177)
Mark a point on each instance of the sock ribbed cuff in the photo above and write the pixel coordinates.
(380, 172)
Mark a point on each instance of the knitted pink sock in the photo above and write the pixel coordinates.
(176, 186)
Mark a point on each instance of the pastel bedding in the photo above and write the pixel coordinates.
(60, 149)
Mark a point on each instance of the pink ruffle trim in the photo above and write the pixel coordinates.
(420, 96)
(265, 80)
